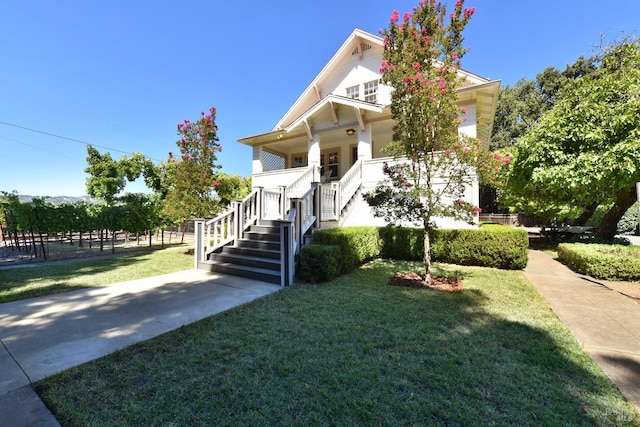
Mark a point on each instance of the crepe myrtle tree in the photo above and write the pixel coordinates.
(191, 193)
(432, 163)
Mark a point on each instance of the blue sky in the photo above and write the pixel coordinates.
(122, 74)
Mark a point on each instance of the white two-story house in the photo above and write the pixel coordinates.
(328, 146)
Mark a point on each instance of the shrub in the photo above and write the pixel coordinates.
(358, 244)
(611, 262)
(495, 246)
(401, 243)
(628, 224)
(491, 246)
(320, 263)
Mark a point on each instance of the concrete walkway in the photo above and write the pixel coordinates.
(606, 323)
(42, 336)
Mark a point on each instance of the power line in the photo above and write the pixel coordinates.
(68, 139)
(37, 148)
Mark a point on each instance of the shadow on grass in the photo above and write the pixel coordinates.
(43, 279)
(354, 351)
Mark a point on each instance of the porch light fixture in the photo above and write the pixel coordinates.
(351, 132)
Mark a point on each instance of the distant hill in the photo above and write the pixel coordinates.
(57, 200)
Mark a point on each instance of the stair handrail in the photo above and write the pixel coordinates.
(301, 185)
(230, 224)
(287, 248)
(349, 184)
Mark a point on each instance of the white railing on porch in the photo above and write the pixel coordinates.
(335, 196)
(277, 201)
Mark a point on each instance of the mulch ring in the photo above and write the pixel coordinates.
(414, 280)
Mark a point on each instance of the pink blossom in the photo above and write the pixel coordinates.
(497, 156)
(460, 202)
(506, 160)
(416, 65)
(443, 92)
(466, 149)
(447, 152)
(469, 12)
(395, 16)
(212, 110)
(407, 16)
(463, 110)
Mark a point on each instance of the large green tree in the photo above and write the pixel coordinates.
(586, 149)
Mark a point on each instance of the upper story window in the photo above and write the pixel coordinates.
(371, 91)
(353, 92)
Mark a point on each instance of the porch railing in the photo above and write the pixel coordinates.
(276, 202)
(213, 234)
(334, 197)
(302, 215)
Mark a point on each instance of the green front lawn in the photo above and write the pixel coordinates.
(45, 279)
(355, 351)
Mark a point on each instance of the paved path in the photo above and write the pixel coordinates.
(42, 336)
(606, 323)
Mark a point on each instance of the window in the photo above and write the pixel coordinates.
(299, 160)
(353, 92)
(371, 91)
(354, 154)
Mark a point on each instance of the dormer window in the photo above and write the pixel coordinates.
(371, 91)
(353, 92)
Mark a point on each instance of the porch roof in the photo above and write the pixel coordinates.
(304, 124)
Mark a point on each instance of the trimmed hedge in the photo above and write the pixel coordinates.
(320, 263)
(491, 246)
(610, 262)
(358, 244)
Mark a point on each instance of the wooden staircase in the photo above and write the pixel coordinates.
(255, 256)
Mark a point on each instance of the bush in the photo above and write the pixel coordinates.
(491, 246)
(628, 224)
(320, 263)
(358, 244)
(610, 262)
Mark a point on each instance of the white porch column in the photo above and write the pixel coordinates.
(314, 150)
(365, 149)
(256, 166)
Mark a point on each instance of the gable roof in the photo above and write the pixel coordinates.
(358, 39)
(312, 101)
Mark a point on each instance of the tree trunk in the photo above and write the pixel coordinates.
(184, 230)
(609, 226)
(427, 256)
(586, 215)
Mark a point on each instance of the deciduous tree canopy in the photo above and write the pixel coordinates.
(586, 149)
